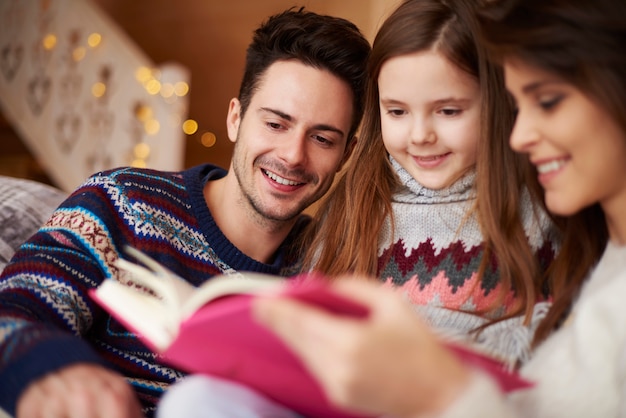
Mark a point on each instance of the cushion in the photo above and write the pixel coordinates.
(25, 205)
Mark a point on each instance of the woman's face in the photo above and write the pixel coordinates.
(430, 117)
(578, 148)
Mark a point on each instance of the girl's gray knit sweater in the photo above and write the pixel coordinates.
(433, 255)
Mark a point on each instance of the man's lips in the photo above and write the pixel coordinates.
(281, 180)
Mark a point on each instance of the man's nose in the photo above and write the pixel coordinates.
(293, 151)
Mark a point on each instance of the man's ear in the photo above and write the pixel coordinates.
(233, 119)
(348, 152)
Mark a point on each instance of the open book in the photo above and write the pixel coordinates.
(210, 329)
(154, 302)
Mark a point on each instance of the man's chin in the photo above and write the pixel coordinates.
(281, 216)
(278, 213)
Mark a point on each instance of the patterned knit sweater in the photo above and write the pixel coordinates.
(47, 319)
(434, 256)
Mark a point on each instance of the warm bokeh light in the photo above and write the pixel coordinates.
(181, 88)
(79, 53)
(208, 139)
(49, 41)
(143, 74)
(94, 40)
(141, 151)
(139, 163)
(98, 89)
(190, 126)
(167, 90)
(153, 86)
(152, 126)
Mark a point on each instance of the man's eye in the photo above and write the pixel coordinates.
(322, 140)
(274, 125)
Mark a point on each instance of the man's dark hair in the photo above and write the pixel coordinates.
(325, 42)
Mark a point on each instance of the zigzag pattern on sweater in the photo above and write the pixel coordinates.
(442, 277)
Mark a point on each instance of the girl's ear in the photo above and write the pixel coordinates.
(233, 119)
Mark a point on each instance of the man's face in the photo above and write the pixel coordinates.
(291, 140)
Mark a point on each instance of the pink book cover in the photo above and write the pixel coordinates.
(224, 340)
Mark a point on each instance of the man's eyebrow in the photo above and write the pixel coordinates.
(278, 113)
(322, 127)
(287, 117)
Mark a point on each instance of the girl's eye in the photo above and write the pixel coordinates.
(450, 112)
(396, 112)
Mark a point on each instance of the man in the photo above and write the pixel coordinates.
(297, 111)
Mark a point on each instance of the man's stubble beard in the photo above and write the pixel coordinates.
(252, 200)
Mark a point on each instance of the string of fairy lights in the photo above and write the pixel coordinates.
(150, 79)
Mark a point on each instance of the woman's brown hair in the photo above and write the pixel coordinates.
(581, 42)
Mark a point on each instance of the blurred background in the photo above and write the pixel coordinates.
(87, 85)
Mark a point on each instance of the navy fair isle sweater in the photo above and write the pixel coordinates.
(47, 319)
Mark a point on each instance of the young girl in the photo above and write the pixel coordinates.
(564, 64)
(434, 202)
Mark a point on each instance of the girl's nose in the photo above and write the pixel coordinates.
(422, 132)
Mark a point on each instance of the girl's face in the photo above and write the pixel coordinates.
(430, 117)
(578, 148)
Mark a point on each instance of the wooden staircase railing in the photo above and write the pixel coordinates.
(82, 96)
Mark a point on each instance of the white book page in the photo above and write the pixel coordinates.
(143, 314)
(181, 297)
(222, 285)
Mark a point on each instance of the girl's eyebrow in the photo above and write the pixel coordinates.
(390, 101)
(452, 100)
(447, 100)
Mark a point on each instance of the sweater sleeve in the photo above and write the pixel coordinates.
(44, 305)
(579, 370)
(481, 398)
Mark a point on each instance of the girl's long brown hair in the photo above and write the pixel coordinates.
(582, 42)
(345, 233)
